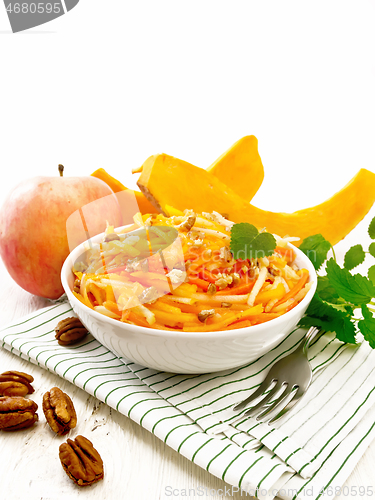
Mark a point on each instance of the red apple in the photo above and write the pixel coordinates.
(33, 227)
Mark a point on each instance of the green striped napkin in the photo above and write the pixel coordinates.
(209, 400)
(315, 447)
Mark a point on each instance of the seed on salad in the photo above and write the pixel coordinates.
(111, 237)
(207, 254)
(205, 314)
(225, 254)
(226, 304)
(211, 289)
(131, 265)
(180, 266)
(188, 223)
(236, 278)
(144, 266)
(223, 282)
(149, 295)
(77, 285)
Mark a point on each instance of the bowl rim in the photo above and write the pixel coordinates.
(66, 269)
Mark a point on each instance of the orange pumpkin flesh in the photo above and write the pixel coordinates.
(240, 167)
(145, 207)
(166, 180)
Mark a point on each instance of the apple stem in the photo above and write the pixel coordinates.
(61, 169)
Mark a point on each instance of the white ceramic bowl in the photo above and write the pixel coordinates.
(186, 352)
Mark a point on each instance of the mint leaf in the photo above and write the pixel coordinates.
(327, 292)
(345, 330)
(371, 274)
(243, 232)
(355, 289)
(321, 308)
(354, 256)
(371, 229)
(330, 319)
(247, 243)
(367, 328)
(316, 248)
(367, 314)
(342, 327)
(340, 292)
(264, 242)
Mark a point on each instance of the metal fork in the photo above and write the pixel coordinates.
(287, 380)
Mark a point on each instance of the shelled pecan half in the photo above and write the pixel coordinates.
(17, 413)
(70, 331)
(81, 461)
(14, 383)
(59, 411)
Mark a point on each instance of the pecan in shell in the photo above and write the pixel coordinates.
(13, 383)
(59, 411)
(70, 331)
(81, 461)
(17, 413)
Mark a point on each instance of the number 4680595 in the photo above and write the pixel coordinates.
(33, 8)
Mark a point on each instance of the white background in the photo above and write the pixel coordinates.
(113, 82)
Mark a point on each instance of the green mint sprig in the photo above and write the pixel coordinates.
(246, 242)
(339, 292)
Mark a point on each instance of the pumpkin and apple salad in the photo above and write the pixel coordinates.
(190, 272)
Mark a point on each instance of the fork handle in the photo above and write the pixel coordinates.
(309, 337)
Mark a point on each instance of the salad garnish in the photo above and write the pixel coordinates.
(344, 303)
(246, 242)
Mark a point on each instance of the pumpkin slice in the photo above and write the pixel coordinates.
(166, 180)
(145, 207)
(240, 167)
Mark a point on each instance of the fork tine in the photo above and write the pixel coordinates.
(295, 373)
(263, 401)
(278, 404)
(295, 399)
(261, 389)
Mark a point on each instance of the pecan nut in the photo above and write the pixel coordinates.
(70, 331)
(14, 383)
(59, 411)
(81, 461)
(17, 413)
